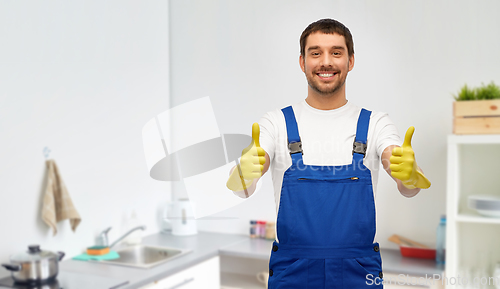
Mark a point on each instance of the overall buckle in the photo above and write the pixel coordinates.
(295, 147)
(359, 148)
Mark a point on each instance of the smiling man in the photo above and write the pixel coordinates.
(325, 80)
(324, 153)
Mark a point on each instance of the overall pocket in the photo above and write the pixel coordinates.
(287, 272)
(362, 272)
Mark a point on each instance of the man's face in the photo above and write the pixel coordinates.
(326, 62)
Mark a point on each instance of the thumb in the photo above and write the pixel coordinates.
(256, 134)
(408, 136)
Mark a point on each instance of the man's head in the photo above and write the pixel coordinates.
(327, 26)
(327, 56)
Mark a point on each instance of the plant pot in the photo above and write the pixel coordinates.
(476, 117)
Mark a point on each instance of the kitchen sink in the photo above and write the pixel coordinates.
(145, 256)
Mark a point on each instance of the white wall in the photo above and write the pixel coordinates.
(81, 77)
(410, 57)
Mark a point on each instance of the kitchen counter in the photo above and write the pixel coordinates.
(392, 261)
(249, 248)
(206, 245)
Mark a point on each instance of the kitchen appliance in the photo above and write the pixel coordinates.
(9, 282)
(68, 280)
(485, 205)
(34, 266)
(180, 216)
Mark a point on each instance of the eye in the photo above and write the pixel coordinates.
(315, 53)
(336, 53)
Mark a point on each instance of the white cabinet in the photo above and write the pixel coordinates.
(203, 275)
(473, 168)
(241, 272)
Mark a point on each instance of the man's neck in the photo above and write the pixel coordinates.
(326, 102)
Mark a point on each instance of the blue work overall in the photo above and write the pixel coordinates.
(326, 221)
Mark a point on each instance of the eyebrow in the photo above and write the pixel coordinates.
(317, 47)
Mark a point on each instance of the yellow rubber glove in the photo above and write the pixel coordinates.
(251, 164)
(404, 167)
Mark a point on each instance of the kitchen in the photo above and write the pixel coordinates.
(82, 80)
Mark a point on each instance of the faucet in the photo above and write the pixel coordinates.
(102, 239)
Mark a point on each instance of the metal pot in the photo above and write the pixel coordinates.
(34, 266)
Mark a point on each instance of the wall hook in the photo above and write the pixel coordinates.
(46, 152)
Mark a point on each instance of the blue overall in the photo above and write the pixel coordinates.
(326, 221)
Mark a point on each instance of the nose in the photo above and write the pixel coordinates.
(326, 60)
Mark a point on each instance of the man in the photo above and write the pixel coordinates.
(322, 176)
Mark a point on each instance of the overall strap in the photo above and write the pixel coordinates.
(294, 143)
(360, 146)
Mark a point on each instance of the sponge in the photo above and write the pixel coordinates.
(86, 257)
(97, 250)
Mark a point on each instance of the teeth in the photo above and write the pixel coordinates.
(326, 75)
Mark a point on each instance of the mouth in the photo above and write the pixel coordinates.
(326, 75)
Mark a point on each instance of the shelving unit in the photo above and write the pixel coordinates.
(473, 167)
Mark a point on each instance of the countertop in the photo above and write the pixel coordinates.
(392, 261)
(206, 245)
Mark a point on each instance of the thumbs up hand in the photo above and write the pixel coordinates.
(404, 167)
(251, 164)
(252, 157)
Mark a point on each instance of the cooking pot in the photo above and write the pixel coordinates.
(34, 266)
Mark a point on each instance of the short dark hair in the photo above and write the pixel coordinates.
(327, 26)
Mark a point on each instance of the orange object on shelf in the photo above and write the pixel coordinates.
(400, 240)
(417, 252)
(97, 250)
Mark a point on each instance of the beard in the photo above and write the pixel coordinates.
(323, 89)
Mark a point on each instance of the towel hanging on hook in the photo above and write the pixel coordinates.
(57, 203)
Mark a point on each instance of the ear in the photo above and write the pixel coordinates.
(302, 63)
(351, 62)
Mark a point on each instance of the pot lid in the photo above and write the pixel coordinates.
(33, 254)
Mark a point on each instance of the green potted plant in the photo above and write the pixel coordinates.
(477, 110)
